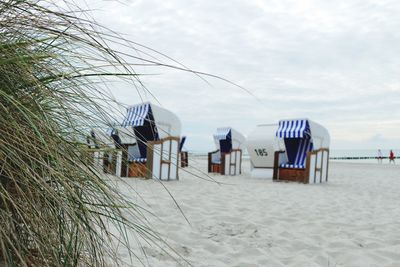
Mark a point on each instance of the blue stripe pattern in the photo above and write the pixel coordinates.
(222, 133)
(293, 129)
(136, 115)
(292, 166)
(305, 145)
(140, 160)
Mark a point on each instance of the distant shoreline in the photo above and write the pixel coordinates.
(345, 155)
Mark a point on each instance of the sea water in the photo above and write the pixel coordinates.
(353, 153)
(343, 153)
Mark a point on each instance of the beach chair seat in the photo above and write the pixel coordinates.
(214, 161)
(292, 166)
(139, 160)
(297, 150)
(216, 157)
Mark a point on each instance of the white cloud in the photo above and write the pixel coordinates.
(332, 61)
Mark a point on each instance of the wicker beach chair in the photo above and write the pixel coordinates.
(227, 159)
(306, 155)
(157, 134)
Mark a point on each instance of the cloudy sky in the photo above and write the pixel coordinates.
(335, 62)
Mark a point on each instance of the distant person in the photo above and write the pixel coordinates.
(380, 156)
(391, 157)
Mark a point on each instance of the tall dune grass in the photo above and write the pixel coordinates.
(55, 208)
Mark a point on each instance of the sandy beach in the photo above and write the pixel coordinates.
(353, 220)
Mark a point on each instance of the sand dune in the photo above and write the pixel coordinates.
(353, 220)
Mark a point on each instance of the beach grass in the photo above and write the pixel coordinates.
(55, 208)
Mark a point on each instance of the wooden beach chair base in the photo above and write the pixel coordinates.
(231, 163)
(292, 175)
(137, 169)
(216, 168)
(184, 159)
(161, 162)
(316, 170)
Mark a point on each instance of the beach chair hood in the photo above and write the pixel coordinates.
(304, 128)
(301, 136)
(150, 123)
(227, 138)
(166, 122)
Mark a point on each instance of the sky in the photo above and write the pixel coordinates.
(334, 62)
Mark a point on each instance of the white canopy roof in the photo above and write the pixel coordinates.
(222, 133)
(299, 128)
(167, 123)
(237, 138)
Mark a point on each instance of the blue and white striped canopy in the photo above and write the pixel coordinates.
(293, 129)
(136, 115)
(222, 133)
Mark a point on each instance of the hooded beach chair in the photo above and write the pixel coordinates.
(305, 157)
(183, 154)
(227, 159)
(261, 146)
(157, 133)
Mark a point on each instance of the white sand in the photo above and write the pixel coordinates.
(353, 220)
